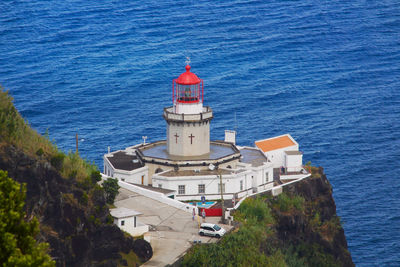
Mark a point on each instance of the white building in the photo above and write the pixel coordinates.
(182, 162)
(126, 219)
(124, 165)
(283, 152)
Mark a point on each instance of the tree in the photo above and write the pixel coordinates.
(18, 246)
(111, 187)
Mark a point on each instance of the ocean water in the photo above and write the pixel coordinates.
(327, 72)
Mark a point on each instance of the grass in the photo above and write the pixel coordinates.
(131, 259)
(16, 131)
(286, 203)
(241, 248)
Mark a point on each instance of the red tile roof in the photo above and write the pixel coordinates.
(274, 143)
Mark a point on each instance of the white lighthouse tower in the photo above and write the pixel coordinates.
(188, 122)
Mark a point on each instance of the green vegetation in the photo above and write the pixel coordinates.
(254, 211)
(85, 200)
(130, 259)
(241, 248)
(286, 203)
(18, 246)
(15, 131)
(256, 241)
(111, 187)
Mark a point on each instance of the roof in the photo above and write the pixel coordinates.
(123, 213)
(275, 143)
(293, 153)
(123, 161)
(208, 224)
(173, 173)
(217, 150)
(252, 156)
(188, 77)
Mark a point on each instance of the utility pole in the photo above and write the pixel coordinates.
(222, 197)
(212, 167)
(76, 141)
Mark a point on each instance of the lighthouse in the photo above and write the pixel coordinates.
(187, 165)
(188, 121)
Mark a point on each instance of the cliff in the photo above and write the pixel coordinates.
(62, 192)
(78, 235)
(315, 229)
(297, 228)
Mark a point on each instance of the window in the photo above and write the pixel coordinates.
(266, 177)
(216, 227)
(202, 188)
(122, 223)
(223, 188)
(122, 179)
(181, 189)
(241, 185)
(159, 185)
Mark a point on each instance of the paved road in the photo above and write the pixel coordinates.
(173, 230)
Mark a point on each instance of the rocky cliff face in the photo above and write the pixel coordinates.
(316, 229)
(297, 228)
(79, 234)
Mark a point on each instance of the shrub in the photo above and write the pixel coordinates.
(57, 161)
(254, 209)
(286, 203)
(111, 188)
(84, 199)
(40, 152)
(17, 243)
(95, 176)
(14, 130)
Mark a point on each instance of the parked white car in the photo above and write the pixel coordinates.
(211, 229)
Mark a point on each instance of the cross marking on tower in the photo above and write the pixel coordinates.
(191, 136)
(176, 138)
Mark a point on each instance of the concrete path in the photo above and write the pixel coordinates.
(172, 230)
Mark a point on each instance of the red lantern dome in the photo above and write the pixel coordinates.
(188, 77)
(188, 88)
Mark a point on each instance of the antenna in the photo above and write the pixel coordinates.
(235, 123)
(144, 139)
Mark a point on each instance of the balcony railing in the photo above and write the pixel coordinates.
(206, 114)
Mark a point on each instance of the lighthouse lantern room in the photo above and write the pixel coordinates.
(188, 93)
(188, 122)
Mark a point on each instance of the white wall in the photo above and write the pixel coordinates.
(134, 176)
(108, 170)
(130, 227)
(261, 175)
(293, 163)
(277, 157)
(211, 182)
(188, 108)
(185, 146)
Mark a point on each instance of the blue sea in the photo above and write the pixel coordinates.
(327, 72)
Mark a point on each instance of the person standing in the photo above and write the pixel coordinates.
(194, 214)
(203, 214)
